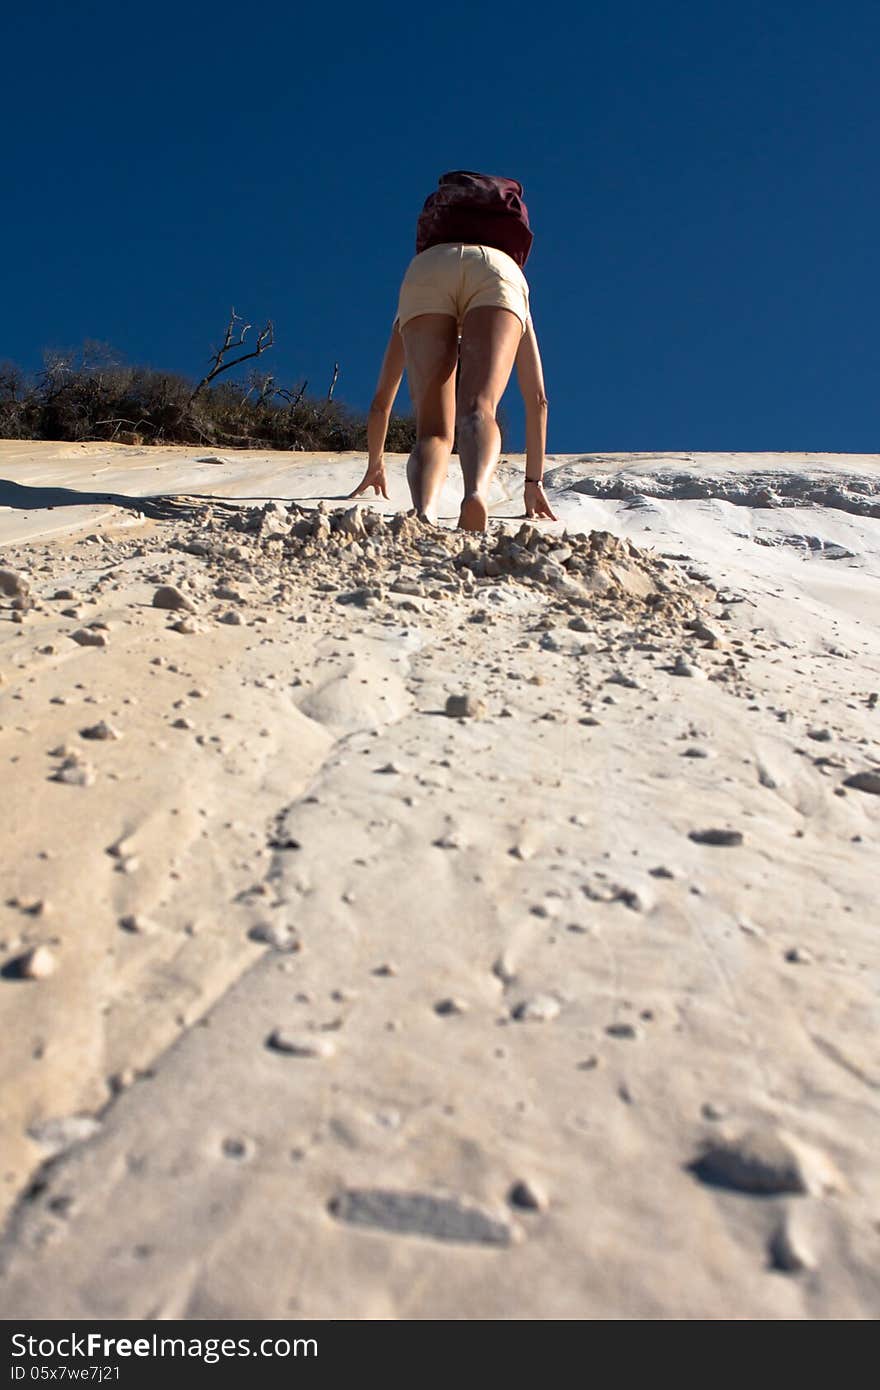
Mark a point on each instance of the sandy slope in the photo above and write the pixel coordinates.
(360, 1009)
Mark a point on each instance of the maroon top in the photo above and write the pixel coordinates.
(478, 209)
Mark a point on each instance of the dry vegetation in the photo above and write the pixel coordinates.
(91, 394)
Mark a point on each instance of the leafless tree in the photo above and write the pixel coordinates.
(265, 340)
(292, 399)
(96, 355)
(12, 383)
(58, 368)
(334, 381)
(262, 386)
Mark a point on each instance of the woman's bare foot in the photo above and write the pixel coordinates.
(474, 515)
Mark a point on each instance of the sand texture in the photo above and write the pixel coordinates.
(402, 924)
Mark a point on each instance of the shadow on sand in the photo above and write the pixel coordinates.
(161, 506)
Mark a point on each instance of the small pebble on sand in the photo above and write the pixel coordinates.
(798, 955)
(528, 1195)
(167, 596)
(36, 964)
(57, 1135)
(300, 1044)
(790, 1249)
(446, 1008)
(74, 772)
(136, 922)
(622, 1030)
(465, 707)
(13, 585)
(541, 1008)
(716, 837)
(276, 935)
(766, 1161)
(868, 781)
(100, 731)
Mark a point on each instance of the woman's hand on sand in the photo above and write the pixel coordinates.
(373, 478)
(536, 501)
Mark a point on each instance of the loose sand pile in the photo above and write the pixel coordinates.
(398, 924)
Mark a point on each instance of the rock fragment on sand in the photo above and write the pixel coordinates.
(351, 522)
(798, 955)
(300, 1044)
(540, 1008)
(233, 618)
(75, 772)
(13, 584)
(465, 706)
(730, 838)
(36, 964)
(276, 935)
(57, 1135)
(359, 598)
(683, 667)
(528, 1195)
(766, 1162)
(626, 1031)
(448, 1008)
(237, 1147)
(420, 1214)
(790, 1249)
(710, 1110)
(712, 636)
(88, 637)
(138, 924)
(524, 850)
(167, 596)
(101, 731)
(868, 781)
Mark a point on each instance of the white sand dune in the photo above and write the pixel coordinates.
(565, 1007)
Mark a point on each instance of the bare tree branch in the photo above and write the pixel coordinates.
(334, 381)
(288, 396)
(265, 340)
(121, 420)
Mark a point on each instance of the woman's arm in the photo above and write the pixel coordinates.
(379, 414)
(530, 375)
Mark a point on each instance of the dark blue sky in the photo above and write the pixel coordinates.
(701, 177)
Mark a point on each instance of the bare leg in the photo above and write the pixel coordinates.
(489, 342)
(431, 345)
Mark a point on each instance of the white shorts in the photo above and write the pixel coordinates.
(455, 277)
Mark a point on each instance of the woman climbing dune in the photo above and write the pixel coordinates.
(472, 241)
